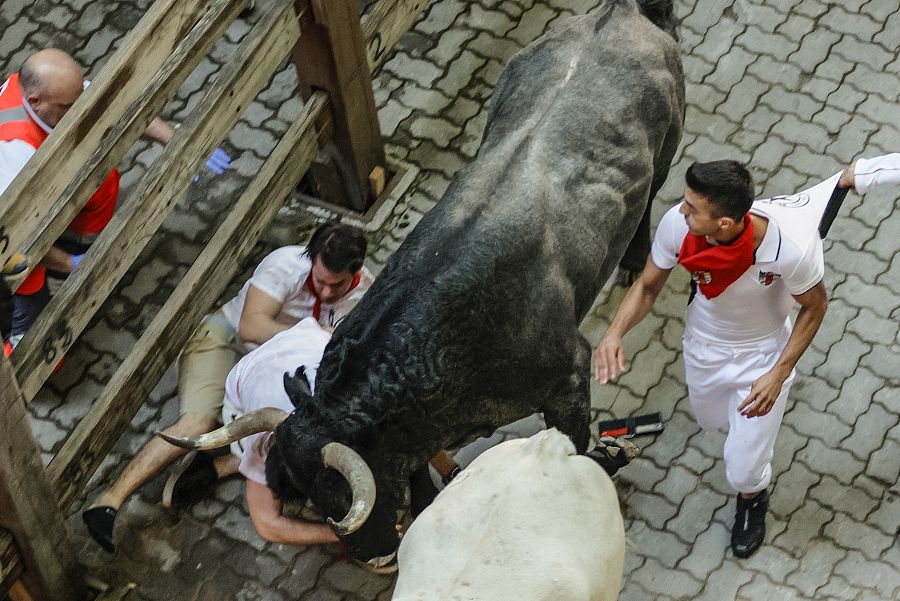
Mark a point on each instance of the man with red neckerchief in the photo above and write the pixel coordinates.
(748, 271)
(324, 280)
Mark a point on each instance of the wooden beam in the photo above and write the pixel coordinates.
(96, 434)
(132, 122)
(331, 56)
(384, 26)
(128, 86)
(247, 71)
(10, 562)
(28, 507)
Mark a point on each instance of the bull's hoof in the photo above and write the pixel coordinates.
(613, 453)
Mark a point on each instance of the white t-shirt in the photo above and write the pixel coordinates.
(880, 171)
(257, 381)
(282, 275)
(789, 261)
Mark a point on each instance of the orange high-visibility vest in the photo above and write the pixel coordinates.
(17, 124)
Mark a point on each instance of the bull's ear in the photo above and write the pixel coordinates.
(297, 387)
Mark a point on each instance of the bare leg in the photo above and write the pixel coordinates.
(153, 457)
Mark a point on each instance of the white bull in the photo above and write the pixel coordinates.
(529, 520)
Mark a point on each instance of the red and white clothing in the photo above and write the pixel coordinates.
(880, 171)
(733, 339)
(21, 133)
(257, 381)
(285, 276)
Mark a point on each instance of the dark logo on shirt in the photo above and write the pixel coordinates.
(767, 278)
(795, 201)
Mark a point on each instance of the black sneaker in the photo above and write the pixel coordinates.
(749, 524)
(191, 481)
(100, 522)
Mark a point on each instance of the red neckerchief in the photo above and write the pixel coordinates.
(317, 307)
(715, 268)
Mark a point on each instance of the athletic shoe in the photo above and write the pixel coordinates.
(190, 482)
(386, 564)
(749, 524)
(100, 522)
(248, 9)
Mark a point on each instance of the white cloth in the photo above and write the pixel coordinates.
(13, 156)
(257, 381)
(757, 305)
(879, 171)
(282, 275)
(719, 378)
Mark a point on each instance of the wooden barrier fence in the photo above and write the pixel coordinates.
(334, 55)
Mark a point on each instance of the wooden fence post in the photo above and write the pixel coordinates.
(28, 507)
(331, 56)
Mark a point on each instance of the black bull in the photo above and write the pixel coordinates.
(473, 322)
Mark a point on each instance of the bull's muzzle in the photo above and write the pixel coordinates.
(334, 455)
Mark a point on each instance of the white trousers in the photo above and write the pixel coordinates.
(719, 377)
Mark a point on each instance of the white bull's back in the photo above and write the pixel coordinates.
(527, 521)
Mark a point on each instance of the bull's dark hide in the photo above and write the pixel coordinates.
(473, 322)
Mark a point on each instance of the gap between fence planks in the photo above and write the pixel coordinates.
(45, 186)
(28, 507)
(96, 434)
(10, 563)
(154, 197)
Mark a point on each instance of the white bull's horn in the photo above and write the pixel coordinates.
(358, 475)
(261, 420)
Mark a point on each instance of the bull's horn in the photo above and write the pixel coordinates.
(358, 475)
(261, 420)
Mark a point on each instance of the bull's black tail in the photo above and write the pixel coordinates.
(662, 14)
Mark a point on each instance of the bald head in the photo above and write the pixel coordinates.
(51, 82)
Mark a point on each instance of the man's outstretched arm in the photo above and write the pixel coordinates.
(265, 513)
(863, 174)
(609, 357)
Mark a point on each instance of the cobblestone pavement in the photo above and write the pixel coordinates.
(796, 87)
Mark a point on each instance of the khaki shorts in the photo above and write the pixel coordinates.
(203, 365)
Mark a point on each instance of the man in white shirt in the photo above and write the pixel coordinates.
(740, 348)
(323, 280)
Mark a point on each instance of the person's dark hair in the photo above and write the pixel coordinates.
(727, 185)
(340, 247)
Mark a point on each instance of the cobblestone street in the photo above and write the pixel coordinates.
(795, 88)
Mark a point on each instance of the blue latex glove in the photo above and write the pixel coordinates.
(76, 259)
(219, 162)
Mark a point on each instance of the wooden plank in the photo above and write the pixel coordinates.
(88, 125)
(10, 562)
(132, 122)
(384, 26)
(154, 196)
(28, 507)
(331, 56)
(160, 344)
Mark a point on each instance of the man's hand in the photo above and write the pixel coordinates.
(847, 178)
(609, 359)
(763, 394)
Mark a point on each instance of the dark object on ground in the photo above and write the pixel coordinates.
(650, 423)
